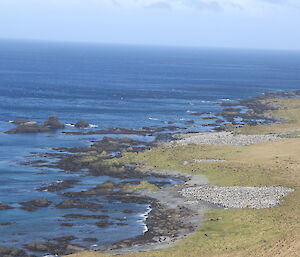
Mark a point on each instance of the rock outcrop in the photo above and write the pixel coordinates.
(4, 206)
(11, 252)
(53, 123)
(82, 124)
(33, 127)
(34, 204)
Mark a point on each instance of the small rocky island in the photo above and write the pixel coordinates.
(50, 125)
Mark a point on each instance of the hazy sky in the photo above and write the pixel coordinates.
(214, 23)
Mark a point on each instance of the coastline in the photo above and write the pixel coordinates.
(164, 199)
(163, 245)
(159, 234)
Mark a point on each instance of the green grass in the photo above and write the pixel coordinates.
(239, 233)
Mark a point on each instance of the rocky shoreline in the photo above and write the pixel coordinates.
(175, 211)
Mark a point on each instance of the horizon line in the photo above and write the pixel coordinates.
(99, 43)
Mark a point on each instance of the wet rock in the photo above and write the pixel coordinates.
(53, 123)
(103, 224)
(209, 118)
(82, 124)
(79, 204)
(40, 246)
(64, 239)
(121, 224)
(5, 207)
(54, 248)
(11, 252)
(121, 219)
(65, 224)
(34, 204)
(232, 110)
(229, 104)
(190, 122)
(83, 216)
(28, 127)
(90, 239)
(161, 183)
(116, 131)
(219, 121)
(102, 189)
(7, 223)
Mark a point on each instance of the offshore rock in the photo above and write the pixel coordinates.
(34, 204)
(82, 124)
(53, 123)
(28, 127)
(33, 127)
(4, 207)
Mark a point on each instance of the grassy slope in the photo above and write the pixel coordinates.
(268, 232)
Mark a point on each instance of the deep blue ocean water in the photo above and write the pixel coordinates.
(111, 86)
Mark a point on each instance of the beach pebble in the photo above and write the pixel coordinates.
(237, 196)
(221, 138)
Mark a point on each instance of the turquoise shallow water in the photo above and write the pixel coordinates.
(111, 86)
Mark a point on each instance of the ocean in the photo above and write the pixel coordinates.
(110, 86)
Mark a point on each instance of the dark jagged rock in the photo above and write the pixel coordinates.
(78, 204)
(34, 204)
(190, 122)
(163, 226)
(209, 118)
(11, 252)
(84, 216)
(121, 224)
(6, 223)
(5, 207)
(65, 224)
(103, 224)
(64, 239)
(53, 123)
(82, 124)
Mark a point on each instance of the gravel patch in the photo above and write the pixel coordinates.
(222, 138)
(237, 196)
